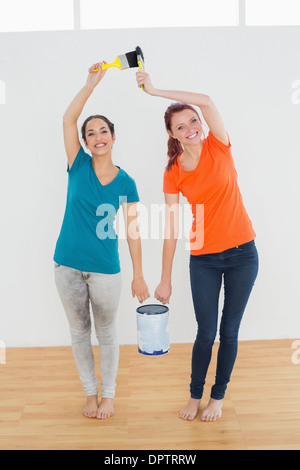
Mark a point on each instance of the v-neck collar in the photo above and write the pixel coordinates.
(99, 182)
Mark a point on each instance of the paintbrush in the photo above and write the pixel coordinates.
(122, 62)
(140, 60)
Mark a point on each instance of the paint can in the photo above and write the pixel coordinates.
(153, 330)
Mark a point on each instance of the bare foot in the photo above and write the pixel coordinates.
(106, 408)
(213, 410)
(90, 410)
(190, 411)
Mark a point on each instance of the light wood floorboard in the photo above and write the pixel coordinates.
(41, 402)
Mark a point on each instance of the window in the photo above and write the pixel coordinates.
(272, 12)
(36, 15)
(53, 15)
(158, 13)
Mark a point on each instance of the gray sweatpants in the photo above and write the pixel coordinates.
(77, 289)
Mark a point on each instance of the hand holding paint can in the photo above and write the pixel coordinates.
(153, 330)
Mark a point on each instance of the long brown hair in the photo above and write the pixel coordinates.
(174, 146)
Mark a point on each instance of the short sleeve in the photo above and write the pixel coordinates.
(169, 183)
(80, 159)
(132, 192)
(214, 142)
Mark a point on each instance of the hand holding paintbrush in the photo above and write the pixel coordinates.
(95, 77)
(144, 81)
(130, 60)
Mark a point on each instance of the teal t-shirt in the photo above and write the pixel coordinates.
(88, 240)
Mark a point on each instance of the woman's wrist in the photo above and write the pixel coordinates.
(89, 87)
(166, 279)
(137, 276)
(155, 92)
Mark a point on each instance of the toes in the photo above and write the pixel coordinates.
(210, 417)
(89, 413)
(185, 415)
(205, 417)
(104, 414)
(86, 414)
(188, 415)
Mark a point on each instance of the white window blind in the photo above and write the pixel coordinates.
(272, 12)
(96, 14)
(36, 15)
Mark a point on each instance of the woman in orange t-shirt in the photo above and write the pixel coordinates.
(221, 241)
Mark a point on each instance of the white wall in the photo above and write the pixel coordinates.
(249, 72)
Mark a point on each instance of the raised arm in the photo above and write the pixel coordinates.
(71, 137)
(208, 109)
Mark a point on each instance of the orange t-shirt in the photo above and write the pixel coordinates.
(220, 220)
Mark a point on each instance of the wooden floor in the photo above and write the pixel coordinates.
(41, 402)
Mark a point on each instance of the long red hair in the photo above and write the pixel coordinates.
(174, 146)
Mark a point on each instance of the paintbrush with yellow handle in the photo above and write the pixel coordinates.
(140, 60)
(126, 61)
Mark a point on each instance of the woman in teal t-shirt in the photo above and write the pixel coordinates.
(87, 266)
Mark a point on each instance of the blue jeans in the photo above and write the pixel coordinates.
(239, 267)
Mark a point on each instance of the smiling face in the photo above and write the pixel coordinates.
(186, 127)
(98, 137)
